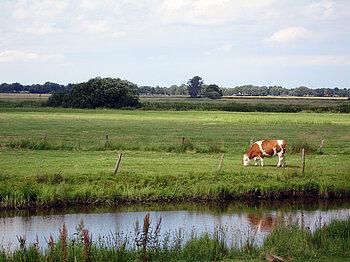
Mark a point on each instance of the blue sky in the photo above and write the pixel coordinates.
(163, 42)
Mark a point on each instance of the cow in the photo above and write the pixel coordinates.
(268, 148)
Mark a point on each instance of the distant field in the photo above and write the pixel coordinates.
(315, 101)
(59, 156)
(16, 97)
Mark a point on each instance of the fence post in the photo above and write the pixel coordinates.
(251, 141)
(118, 162)
(222, 159)
(183, 142)
(107, 142)
(321, 144)
(303, 158)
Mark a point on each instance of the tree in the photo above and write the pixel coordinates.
(173, 90)
(213, 91)
(195, 86)
(99, 92)
(303, 91)
(183, 90)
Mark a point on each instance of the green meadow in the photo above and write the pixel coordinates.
(59, 157)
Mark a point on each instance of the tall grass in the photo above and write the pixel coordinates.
(287, 242)
(60, 189)
(298, 145)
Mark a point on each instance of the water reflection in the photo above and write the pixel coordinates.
(239, 219)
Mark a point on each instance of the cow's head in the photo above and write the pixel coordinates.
(246, 160)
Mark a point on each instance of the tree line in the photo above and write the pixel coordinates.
(195, 87)
(46, 88)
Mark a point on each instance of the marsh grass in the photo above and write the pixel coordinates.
(333, 238)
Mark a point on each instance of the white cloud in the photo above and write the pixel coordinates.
(211, 12)
(102, 27)
(225, 47)
(323, 9)
(18, 55)
(38, 16)
(298, 60)
(289, 34)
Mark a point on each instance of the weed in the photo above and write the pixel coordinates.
(296, 147)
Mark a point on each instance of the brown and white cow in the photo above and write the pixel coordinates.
(268, 148)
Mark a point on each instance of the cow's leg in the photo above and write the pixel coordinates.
(262, 161)
(256, 161)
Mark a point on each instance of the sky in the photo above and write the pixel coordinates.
(289, 43)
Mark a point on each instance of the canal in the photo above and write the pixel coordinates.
(240, 221)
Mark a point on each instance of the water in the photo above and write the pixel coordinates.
(239, 220)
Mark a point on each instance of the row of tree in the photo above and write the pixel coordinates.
(249, 90)
(195, 87)
(46, 88)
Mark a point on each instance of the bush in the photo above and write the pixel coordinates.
(213, 95)
(98, 92)
(55, 100)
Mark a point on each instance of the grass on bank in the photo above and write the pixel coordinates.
(286, 242)
(63, 178)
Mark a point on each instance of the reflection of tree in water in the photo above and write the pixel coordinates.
(263, 222)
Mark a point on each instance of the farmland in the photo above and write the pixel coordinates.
(59, 157)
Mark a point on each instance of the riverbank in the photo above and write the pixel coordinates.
(41, 178)
(288, 241)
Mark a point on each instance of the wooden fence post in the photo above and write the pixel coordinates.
(118, 162)
(222, 159)
(321, 145)
(303, 159)
(183, 142)
(107, 142)
(251, 141)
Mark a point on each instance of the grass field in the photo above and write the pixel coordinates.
(58, 157)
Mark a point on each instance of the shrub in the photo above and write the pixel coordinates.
(98, 92)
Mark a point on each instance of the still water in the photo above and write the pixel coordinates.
(239, 219)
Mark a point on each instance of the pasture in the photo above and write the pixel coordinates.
(53, 157)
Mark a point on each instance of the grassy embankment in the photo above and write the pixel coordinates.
(286, 242)
(58, 157)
